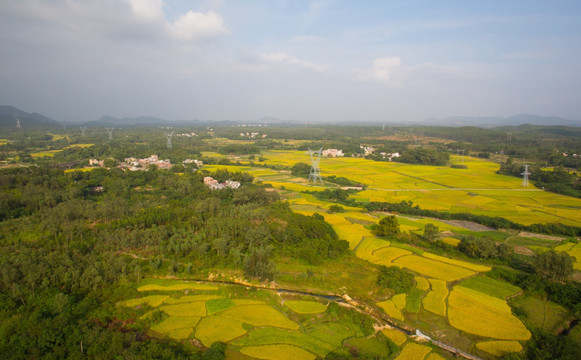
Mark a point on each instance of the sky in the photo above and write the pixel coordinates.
(322, 60)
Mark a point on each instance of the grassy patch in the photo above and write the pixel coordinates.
(331, 332)
(414, 300)
(546, 315)
(306, 307)
(497, 288)
(369, 346)
(214, 328)
(194, 308)
(269, 336)
(216, 305)
(259, 315)
(277, 352)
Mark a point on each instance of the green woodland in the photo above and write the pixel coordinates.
(100, 262)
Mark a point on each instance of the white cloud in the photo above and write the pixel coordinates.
(285, 59)
(147, 9)
(391, 72)
(308, 39)
(382, 71)
(196, 26)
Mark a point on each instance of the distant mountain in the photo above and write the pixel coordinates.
(515, 120)
(9, 114)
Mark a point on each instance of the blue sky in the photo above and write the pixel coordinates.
(386, 61)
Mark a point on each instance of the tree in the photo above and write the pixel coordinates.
(430, 232)
(300, 169)
(395, 278)
(336, 209)
(553, 266)
(388, 226)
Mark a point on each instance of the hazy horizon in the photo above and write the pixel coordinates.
(302, 60)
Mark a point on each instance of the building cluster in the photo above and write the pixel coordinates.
(96, 162)
(213, 184)
(187, 134)
(333, 153)
(573, 155)
(134, 164)
(198, 163)
(368, 150)
(252, 135)
(259, 125)
(389, 155)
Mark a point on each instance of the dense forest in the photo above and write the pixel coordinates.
(66, 246)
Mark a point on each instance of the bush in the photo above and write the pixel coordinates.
(399, 280)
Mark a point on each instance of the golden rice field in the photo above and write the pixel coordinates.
(396, 336)
(464, 264)
(414, 351)
(451, 241)
(177, 327)
(152, 300)
(499, 348)
(368, 245)
(277, 352)
(435, 299)
(259, 315)
(388, 255)
(422, 283)
(306, 307)
(176, 287)
(433, 268)
(433, 356)
(194, 308)
(47, 153)
(191, 298)
(391, 310)
(399, 300)
(215, 328)
(484, 315)
(477, 189)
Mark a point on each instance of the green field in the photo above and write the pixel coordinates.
(306, 307)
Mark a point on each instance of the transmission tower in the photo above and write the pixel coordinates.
(525, 176)
(110, 131)
(83, 129)
(169, 135)
(17, 123)
(315, 173)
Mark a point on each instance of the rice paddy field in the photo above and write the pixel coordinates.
(477, 189)
(254, 324)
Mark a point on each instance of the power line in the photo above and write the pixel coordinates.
(315, 173)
